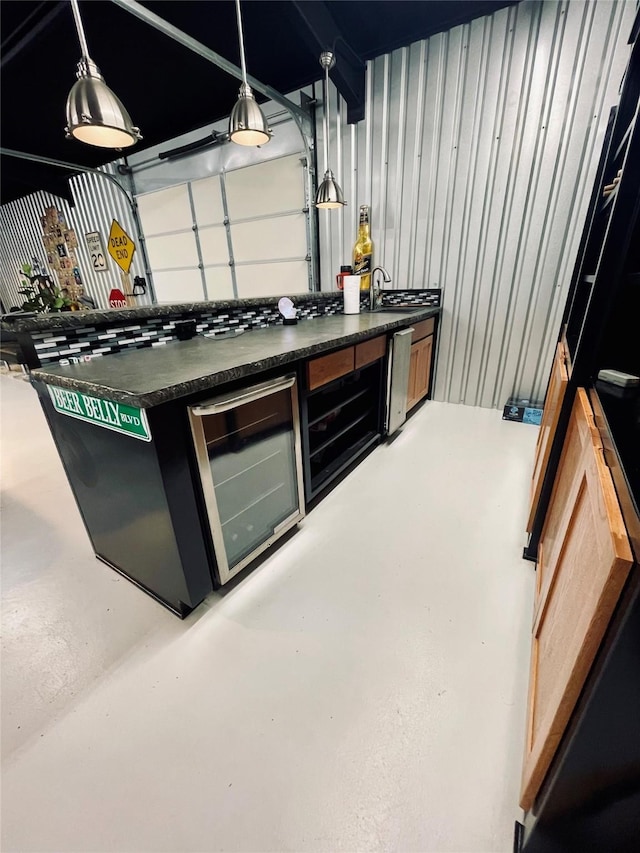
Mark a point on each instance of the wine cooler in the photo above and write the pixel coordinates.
(248, 450)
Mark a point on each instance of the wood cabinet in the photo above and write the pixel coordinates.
(326, 368)
(419, 371)
(552, 406)
(584, 557)
(423, 328)
(420, 364)
(369, 351)
(341, 410)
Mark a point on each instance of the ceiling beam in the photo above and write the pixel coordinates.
(36, 29)
(62, 164)
(320, 32)
(302, 118)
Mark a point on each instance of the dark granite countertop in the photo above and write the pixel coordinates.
(148, 377)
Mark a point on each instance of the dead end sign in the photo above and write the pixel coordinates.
(121, 246)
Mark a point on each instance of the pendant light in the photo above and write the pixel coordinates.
(247, 124)
(329, 194)
(94, 114)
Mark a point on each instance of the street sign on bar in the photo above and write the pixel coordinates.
(128, 420)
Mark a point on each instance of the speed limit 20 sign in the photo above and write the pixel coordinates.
(97, 254)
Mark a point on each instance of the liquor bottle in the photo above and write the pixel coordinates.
(363, 250)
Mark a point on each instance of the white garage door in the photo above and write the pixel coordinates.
(240, 234)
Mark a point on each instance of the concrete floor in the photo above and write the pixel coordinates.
(363, 690)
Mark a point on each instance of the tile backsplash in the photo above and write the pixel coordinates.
(103, 339)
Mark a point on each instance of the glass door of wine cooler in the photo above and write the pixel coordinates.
(248, 450)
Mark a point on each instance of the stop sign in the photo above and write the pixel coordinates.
(117, 299)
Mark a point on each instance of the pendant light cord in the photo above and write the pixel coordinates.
(241, 37)
(326, 118)
(81, 36)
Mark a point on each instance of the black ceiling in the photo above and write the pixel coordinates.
(167, 89)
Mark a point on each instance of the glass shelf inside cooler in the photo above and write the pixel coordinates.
(251, 453)
(255, 488)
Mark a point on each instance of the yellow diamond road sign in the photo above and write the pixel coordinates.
(121, 246)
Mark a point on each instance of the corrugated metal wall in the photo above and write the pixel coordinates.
(97, 203)
(477, 156)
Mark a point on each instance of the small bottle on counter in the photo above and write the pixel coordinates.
(344, 271)
(363, 250)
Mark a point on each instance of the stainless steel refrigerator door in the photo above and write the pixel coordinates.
(398, 379)
(248, 449)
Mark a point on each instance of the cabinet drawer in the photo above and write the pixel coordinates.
(370, 351)
(422, 329)
(329, 367)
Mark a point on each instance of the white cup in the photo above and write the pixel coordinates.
(351, 292)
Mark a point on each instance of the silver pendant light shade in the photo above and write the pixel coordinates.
(329, 195)
(247, 124)
(95, 115)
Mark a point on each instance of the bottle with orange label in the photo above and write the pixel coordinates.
(363, 250)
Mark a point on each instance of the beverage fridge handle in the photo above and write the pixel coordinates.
(398, 379)
(231, 401)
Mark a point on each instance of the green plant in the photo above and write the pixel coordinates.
(42, 299)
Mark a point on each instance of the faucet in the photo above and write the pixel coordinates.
(375, 291)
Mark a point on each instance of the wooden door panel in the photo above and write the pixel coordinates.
(563, 497)
(552, 405)
(424, 366)
(557, 638)
(587, 565)
(412, 396)
(419, 371)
